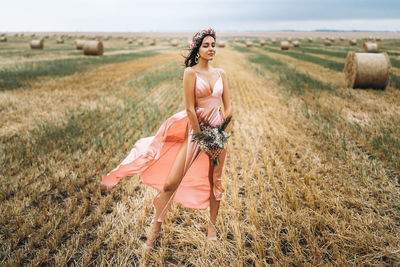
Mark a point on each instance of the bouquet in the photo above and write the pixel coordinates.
(211, 139)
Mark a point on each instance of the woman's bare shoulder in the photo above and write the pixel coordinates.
(220, 70)
(189, 70)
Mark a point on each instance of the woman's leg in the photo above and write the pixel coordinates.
(172, 182)
(214, 204)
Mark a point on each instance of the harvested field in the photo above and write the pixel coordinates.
(311, 176)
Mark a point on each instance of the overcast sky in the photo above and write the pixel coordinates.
(191, 15)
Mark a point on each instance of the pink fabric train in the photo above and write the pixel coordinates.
(152, 157)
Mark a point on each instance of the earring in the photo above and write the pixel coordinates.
(197, 58)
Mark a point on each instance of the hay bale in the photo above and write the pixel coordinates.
(309, 39)
(37, 44)
(262, 42)
(153, 42)
(327, 43)
(371, 47)
(296, 43)
(221, 44)
(249, 44)
(174, 42)
(79, 44)
(332, 39)
(3, 39)
(273, 40)
(93, 47)
(289, 39)
(341, 38)
(285, 45)
(130, 41)
(377, 39)
(367, 70)
(60, 41)
(140, 42)
(353, 42)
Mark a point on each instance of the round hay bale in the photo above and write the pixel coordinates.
(37, 44)
(273, 40)
(262, 42)
(93, 47)
(285, 45)
(3, 39)
(153, 42)
(289, 39)
(309, 39)
(353, 42)
(140, 42)
(130, 41)
(221, 44)
(79, 44)
(367, 70)
(249, 43)
(377, 39)
(327, 43)
(296, 43)
(174, 42)
(371, 47)
(341, 38)
(332, 39)
(60, 41)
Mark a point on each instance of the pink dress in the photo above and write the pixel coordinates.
(152, 157)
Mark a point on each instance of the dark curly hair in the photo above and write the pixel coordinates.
(189, 60)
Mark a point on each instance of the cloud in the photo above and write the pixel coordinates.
(189, 15)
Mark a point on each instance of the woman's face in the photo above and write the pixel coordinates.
(207, 48)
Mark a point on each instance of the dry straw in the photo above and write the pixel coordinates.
(371, 47)
(327, 43)
(353, 42)
(93, 47)
(285, 45)
(367, 70)
(79, 43)
(37, 44)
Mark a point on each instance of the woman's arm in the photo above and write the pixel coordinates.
(189, 78)
(226, 100)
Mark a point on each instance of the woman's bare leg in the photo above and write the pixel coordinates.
(214, 204)
(172, 182)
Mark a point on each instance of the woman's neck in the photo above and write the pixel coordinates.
(203, 65)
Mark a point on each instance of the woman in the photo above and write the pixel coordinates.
(169, 161)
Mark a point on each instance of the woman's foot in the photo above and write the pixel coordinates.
(154, 234)
(211, 232)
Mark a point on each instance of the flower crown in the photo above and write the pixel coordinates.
(198, 36)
